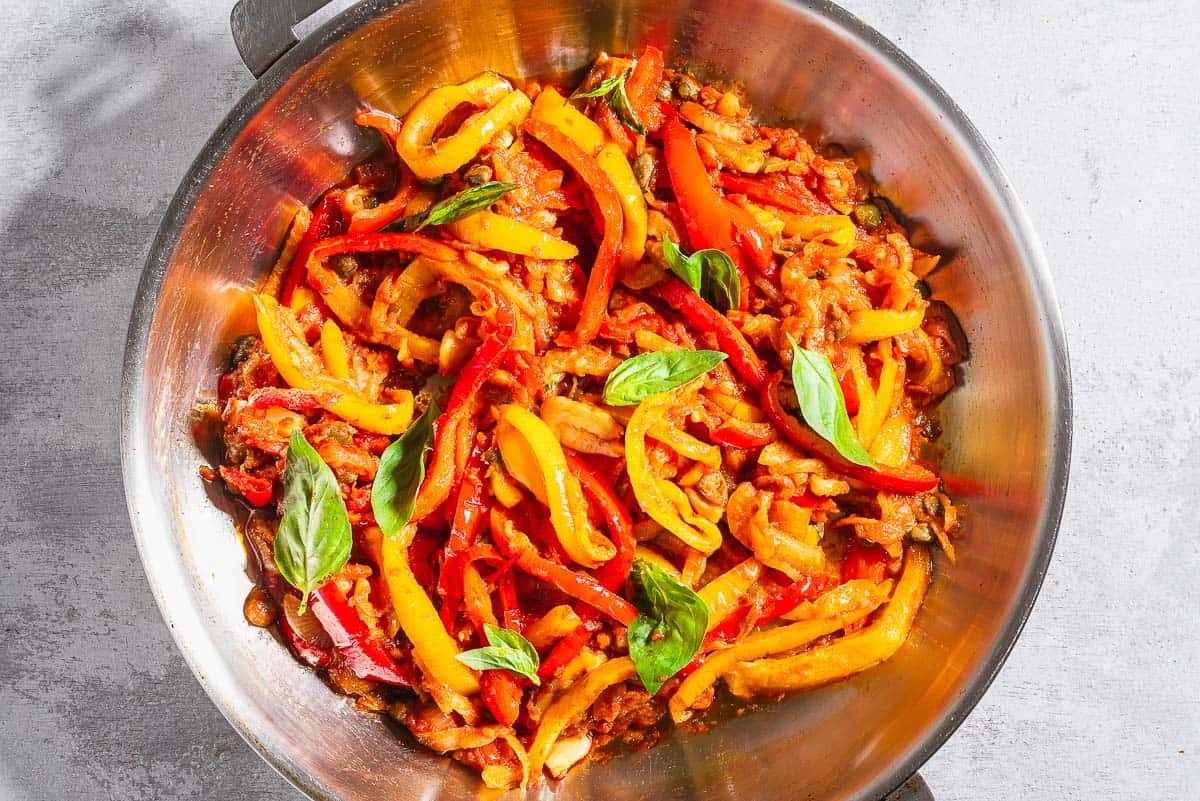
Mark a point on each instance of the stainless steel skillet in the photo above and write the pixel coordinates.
(1007, 431)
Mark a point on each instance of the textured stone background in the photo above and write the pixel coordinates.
(1092, 107)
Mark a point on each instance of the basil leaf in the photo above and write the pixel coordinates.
(401, 471)
(650, 373)
(709, 272)
(668, 632)
(822, 404)
(313, 541)
(604, 88)
(455, 207)
(506, 650)
(618, 100)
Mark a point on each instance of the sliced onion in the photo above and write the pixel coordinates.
(306, 626)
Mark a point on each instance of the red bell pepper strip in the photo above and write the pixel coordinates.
(642, 87)
(298, 400)
(754, 242)
(604, 269)
(703, 317)
(469, 513)
(326, 221)
(790, 596)
(439, 480)
(864, 561)
(704, 215)
(611, 574)
(739, 437)
(785, 191)
(510, 606)
(501, 693)
(257, 491)
(563, 652)
(908, 480)
(387, 124)
(363, 654)
(577, 585)
(382, 242)
(306, 651)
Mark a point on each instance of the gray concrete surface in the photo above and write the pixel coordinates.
(1092, 107)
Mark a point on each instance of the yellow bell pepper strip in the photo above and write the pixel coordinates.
(397, 301)
(333, 350)
(553, 109)
(301, 368)
(603, 275)
(685, 444)
(723, 594)
(655, 558)
(834, 233)
(851, 654)
(753, 646)
(340, 299)
(843, 600)
(492, 231)
(661, 499)
(534, 457)
(870, 422)
(870, 325)
(287, 254)
(576, 700)
(434, 647)
(560, 621)
(633, 203)
(506, 108)
(893, 443)
(864, 395)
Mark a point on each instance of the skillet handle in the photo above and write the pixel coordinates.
(915, 789)
(262, 29)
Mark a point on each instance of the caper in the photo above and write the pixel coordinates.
(345, 265)
(686, 86)
(868, 215)
(242, 346)
(932, 505)
(924, 290)
(478, 175)
(664, 91)
(643, 170)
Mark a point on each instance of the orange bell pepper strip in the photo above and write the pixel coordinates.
(642, 87)
(704, 215)
(517, 546)
(608, 202)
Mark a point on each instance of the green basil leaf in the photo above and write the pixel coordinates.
(313, 541)
(506, 650)
(604, 88)
(650, 373)
(618, 100)
(709, 272)
(401, 471)
(455, 207)
(668, 632)
(822, 404)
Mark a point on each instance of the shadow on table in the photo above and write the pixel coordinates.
(95, 701)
